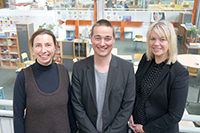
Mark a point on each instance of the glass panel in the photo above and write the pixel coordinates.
(135, 5)
(116, 5)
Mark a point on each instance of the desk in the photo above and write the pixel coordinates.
(128, 31)
(190, 60)
(126, 57)
(68, 32)
(140, 41)
(119, 32)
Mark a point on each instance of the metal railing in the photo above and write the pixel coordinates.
(6, 120)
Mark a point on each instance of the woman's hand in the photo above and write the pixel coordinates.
(131, 124)
(138, 128)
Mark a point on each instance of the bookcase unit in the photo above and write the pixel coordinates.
(184, 18)
(185, 44)
(81, 48)
(70, 50)
(66, 50)
(9, 54)
(57, 56)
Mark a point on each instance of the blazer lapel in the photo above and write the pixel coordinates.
(140, 73)
(91, 79)
(164, 71)
(112, 74)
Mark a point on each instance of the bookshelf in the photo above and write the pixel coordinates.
(9, 54)
(81, 48)
(66, 50)
(184, 18)
(70, 50)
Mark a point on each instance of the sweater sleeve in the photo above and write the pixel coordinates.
(19, 103)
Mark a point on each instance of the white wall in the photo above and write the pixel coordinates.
(86, 1)
(38, 17)
(145, 16)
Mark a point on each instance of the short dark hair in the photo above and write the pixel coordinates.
(103, 22)
(42, 32)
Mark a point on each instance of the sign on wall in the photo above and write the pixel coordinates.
(8, 22)
(74, 15)
(158, 16)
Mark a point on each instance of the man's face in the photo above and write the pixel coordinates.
(102, 41)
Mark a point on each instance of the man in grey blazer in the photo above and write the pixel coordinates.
(103, 86)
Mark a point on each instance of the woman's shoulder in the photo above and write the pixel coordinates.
(20, 74)
(177, 67)
(59, 64)
(62, 66)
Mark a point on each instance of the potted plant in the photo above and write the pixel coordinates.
(192, 31)
(51, 27)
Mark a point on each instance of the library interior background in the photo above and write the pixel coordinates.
(71, 22)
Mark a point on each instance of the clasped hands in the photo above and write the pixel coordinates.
(137, 128)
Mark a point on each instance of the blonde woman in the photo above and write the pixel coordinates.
(161, 84)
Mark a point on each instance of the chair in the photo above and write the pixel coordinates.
(25, 58)
(138, 36)
(138, 40)
(172, 5)
(2, 95)
(136, 58)
(193, 72)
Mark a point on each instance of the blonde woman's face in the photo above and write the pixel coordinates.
(159, 46)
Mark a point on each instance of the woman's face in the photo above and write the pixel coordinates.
(44, 49)
(159, 46)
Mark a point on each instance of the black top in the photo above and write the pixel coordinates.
(148, 81)
(46, 85)
(167, 97)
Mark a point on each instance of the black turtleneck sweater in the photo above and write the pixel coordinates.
(47, 79)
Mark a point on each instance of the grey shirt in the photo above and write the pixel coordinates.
(100, 80)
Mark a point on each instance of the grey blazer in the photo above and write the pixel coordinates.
(119, 98)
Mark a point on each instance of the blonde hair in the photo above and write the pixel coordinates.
(163, 29)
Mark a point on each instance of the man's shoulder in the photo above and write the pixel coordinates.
(84, 62)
